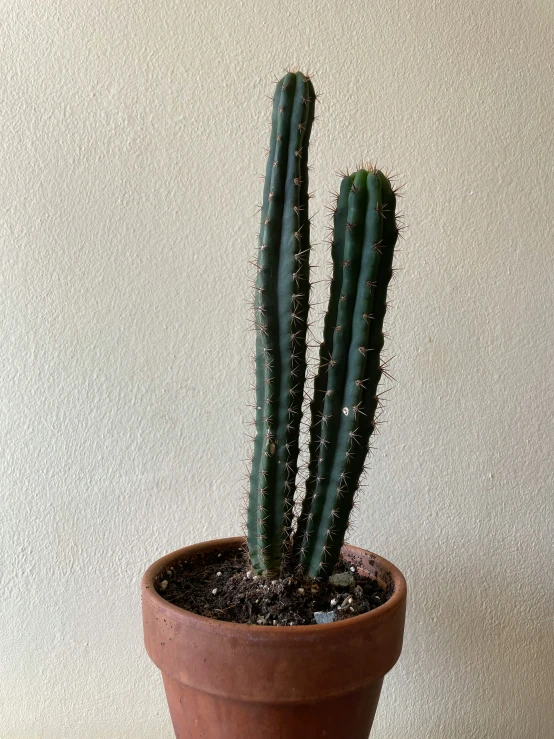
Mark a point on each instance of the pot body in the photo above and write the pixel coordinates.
(238, 681)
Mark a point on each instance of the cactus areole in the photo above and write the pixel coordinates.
(344, 398)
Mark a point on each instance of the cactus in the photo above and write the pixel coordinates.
(345, 389)
(345, 400)
(281, 304)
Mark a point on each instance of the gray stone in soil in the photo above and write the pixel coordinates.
(324, 617)
(342, 579)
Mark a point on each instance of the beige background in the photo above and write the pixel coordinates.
(132, 137)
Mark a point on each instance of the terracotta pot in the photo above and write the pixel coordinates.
(237, 681)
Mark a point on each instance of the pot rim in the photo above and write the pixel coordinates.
(204, 623)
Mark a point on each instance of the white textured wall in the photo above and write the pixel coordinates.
(132, 136)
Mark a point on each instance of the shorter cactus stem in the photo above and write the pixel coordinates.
(345, 388)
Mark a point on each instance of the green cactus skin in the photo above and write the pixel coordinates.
(281, 305)
(345, 389)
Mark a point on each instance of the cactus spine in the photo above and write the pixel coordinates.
(345, 389)
(281, 304)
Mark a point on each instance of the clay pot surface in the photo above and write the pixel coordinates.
(240, 681)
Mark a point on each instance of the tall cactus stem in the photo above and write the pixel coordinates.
(281, 304)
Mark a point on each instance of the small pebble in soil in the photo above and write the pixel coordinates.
(214, 591)
(324, 617)
(218, 574)
(341, 579)
(163, 585)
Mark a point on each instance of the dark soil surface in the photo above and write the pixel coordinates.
(222, 586)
